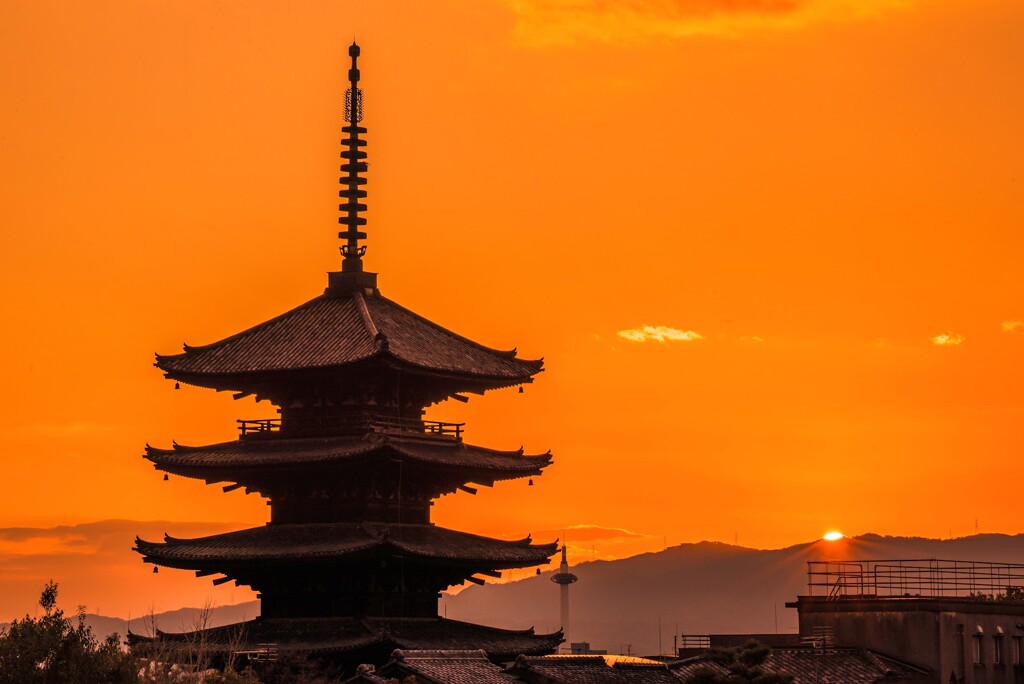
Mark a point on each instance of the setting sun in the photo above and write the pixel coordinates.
(833, 536)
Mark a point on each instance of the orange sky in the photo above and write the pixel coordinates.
(819, 192)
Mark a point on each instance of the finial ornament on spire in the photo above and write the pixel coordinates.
(353, 166)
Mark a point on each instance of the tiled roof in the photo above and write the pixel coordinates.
(446, 667)
(346, 634)
(850, 666)
(685, 669)
(334, 332)
(590, 669)
(282, 542)
(812, 666)
(257, 453)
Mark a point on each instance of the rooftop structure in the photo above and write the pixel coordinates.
(350, 563)
(962, 621)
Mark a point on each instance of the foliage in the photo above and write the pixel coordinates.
(297, 668)
(1011, 595)
(54, 648)
(191, 660)
(246, 676)
(739, 666)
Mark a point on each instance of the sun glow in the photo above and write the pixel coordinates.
(833, 536)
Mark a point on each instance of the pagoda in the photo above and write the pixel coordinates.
(350, 565)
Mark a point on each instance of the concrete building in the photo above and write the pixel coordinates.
(962, 620)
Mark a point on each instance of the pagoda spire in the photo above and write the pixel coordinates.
(352, 168)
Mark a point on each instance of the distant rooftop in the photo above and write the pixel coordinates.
(931, 578)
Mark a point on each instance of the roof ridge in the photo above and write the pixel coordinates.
(397, 443)
(528, 631)
(364, 312)
(509, 354)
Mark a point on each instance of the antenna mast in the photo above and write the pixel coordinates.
(354, 165)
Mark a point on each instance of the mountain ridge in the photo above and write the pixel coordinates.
(697, 588)
(625, 605)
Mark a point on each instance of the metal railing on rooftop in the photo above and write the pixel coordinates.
(694, 641)
(933, 578)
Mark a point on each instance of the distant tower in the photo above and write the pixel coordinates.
(564, 578)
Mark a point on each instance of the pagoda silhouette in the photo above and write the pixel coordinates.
(350, 566)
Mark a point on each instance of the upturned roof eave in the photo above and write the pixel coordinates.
(502, 554)
(156, 553)
(347, 634)
(173, 461)
(510, 354)
(247, 379)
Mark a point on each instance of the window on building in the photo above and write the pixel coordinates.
(997, 649)
(977, 642)
(1017, 650)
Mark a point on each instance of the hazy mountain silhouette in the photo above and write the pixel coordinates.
(703, 588)
(93, 564)
(709, 587)
(180, 620)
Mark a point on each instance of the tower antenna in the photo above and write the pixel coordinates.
(564, 578)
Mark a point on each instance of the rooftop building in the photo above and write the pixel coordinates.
(961, 620)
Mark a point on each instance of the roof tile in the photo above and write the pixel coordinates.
(331, 332)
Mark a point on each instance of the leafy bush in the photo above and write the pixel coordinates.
(739, 665)
(53, 649)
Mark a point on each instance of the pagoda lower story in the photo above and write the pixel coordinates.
(348, 642)
(338, 573)
(356, 569)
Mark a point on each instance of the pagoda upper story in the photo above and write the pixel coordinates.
(349, 361)
(351, 374)
(345, 362)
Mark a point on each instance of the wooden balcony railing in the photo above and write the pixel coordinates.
(259, 426)
(322, 425)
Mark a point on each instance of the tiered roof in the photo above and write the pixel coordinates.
(230, 461)
(336, 334)
(348, 634)
(334, 541)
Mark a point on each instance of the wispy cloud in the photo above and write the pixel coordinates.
(948, 339)
(580, 533)
(553, 22)
(588, 533)
(599, 542)
(1013, 327)
(659, 333)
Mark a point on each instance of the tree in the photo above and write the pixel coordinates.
(739, 666)
(54, 649)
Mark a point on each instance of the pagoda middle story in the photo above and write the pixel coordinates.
(350, 563)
